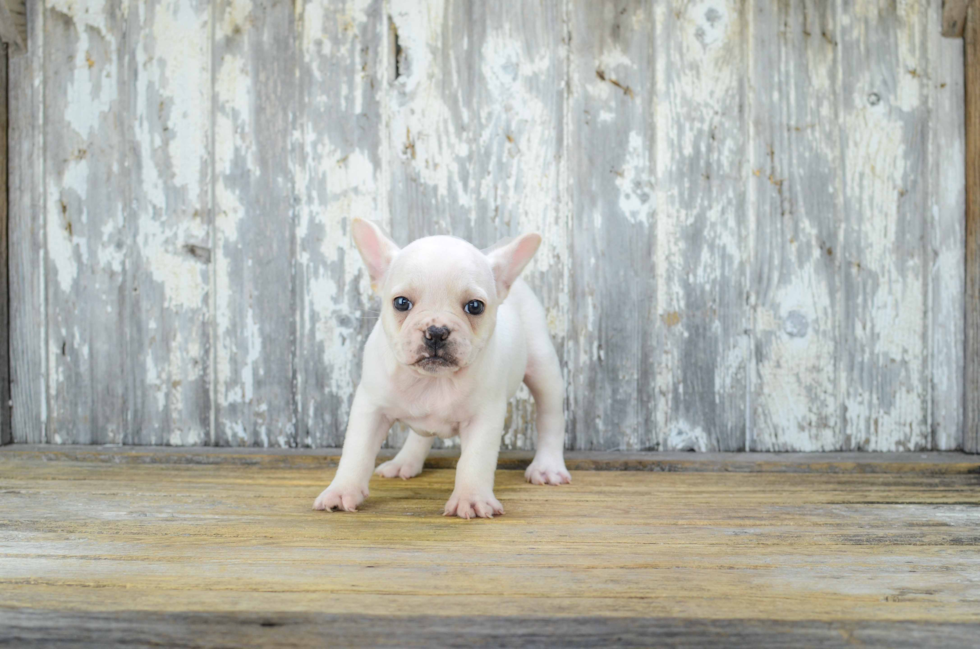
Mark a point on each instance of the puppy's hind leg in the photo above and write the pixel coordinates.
(409, 460)
(543, 378)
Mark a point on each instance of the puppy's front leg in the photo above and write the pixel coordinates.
(366, 430)
(473, 495)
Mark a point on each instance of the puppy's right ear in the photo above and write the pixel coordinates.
(376, 249)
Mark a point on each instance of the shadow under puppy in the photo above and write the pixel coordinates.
(458, 333)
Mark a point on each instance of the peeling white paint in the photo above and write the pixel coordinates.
(730, 332)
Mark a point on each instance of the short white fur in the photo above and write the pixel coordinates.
(444, 371)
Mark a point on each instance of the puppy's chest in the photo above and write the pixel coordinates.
(436, 410)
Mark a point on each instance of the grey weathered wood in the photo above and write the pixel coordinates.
(33, 627)
(885, 230)
(343, 69)
(475, 127)
(971, 429)
(702, 225)
(796, 199)
(13, 25)
(87, 103)
(127, 170)
(208, 291)
(954, 17)
(28, 321)
(168, 225)
(947, 204)
(255, 63)
(854, 462)
(612, 354)
(6, 436)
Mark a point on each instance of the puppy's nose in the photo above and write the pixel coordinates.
(435, 337)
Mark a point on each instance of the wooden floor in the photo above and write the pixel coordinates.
(116, 548)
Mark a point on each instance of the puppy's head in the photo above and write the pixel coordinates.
(439, 295)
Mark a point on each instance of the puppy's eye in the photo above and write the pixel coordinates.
(402, 303)
(474, 307)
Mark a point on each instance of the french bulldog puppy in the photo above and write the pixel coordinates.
(458, 332)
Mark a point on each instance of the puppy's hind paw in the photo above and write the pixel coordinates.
(396, 468)
(547, 470)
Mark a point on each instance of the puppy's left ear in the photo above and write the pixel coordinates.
(508, 260)
(376, 249)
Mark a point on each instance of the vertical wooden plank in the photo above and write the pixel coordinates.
(946, 209)
(885, 229)
(475, 138)
(702, 224)
(611, 349)
(971, 428)
(6, 436)
(28, 323)
(127, 235)
(795, 172)
(13, 26)
(954, 17)
(86, 102)
(254, 249)
(167, 144)
(339, 175)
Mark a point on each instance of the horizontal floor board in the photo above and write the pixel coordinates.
(29, 627)
(860, 462)
(658, 552)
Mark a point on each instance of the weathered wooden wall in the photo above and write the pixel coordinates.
(752, 211)
(6, 433)
(971, 430)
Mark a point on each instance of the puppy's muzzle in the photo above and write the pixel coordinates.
(435, 337)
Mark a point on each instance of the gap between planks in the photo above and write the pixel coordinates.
(945, 463)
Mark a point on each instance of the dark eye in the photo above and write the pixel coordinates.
(402, 303)
(474, 307)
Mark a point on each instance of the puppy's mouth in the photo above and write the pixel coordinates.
(435, 361)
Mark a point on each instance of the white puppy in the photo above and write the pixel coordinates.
(458, 333)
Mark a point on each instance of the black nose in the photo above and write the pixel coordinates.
(435, 337)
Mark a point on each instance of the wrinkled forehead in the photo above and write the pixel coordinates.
(450, 265)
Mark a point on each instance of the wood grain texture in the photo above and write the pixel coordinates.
(168, 328)
(702, 225)
(752, 212)
(255, 80)
(127, 236)
(954, 17)
(43, 628)
(796, 197)
(947, 233)
(971, 428)
(172, 539)
(612, 354)
(885, 229)
(25, 227)
(6, 437)
(13, 25)
(87, 90)
(854, 462)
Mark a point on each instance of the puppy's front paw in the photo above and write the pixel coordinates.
(469, 505)
(396, 468)
(548, 470)
(340, 497)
